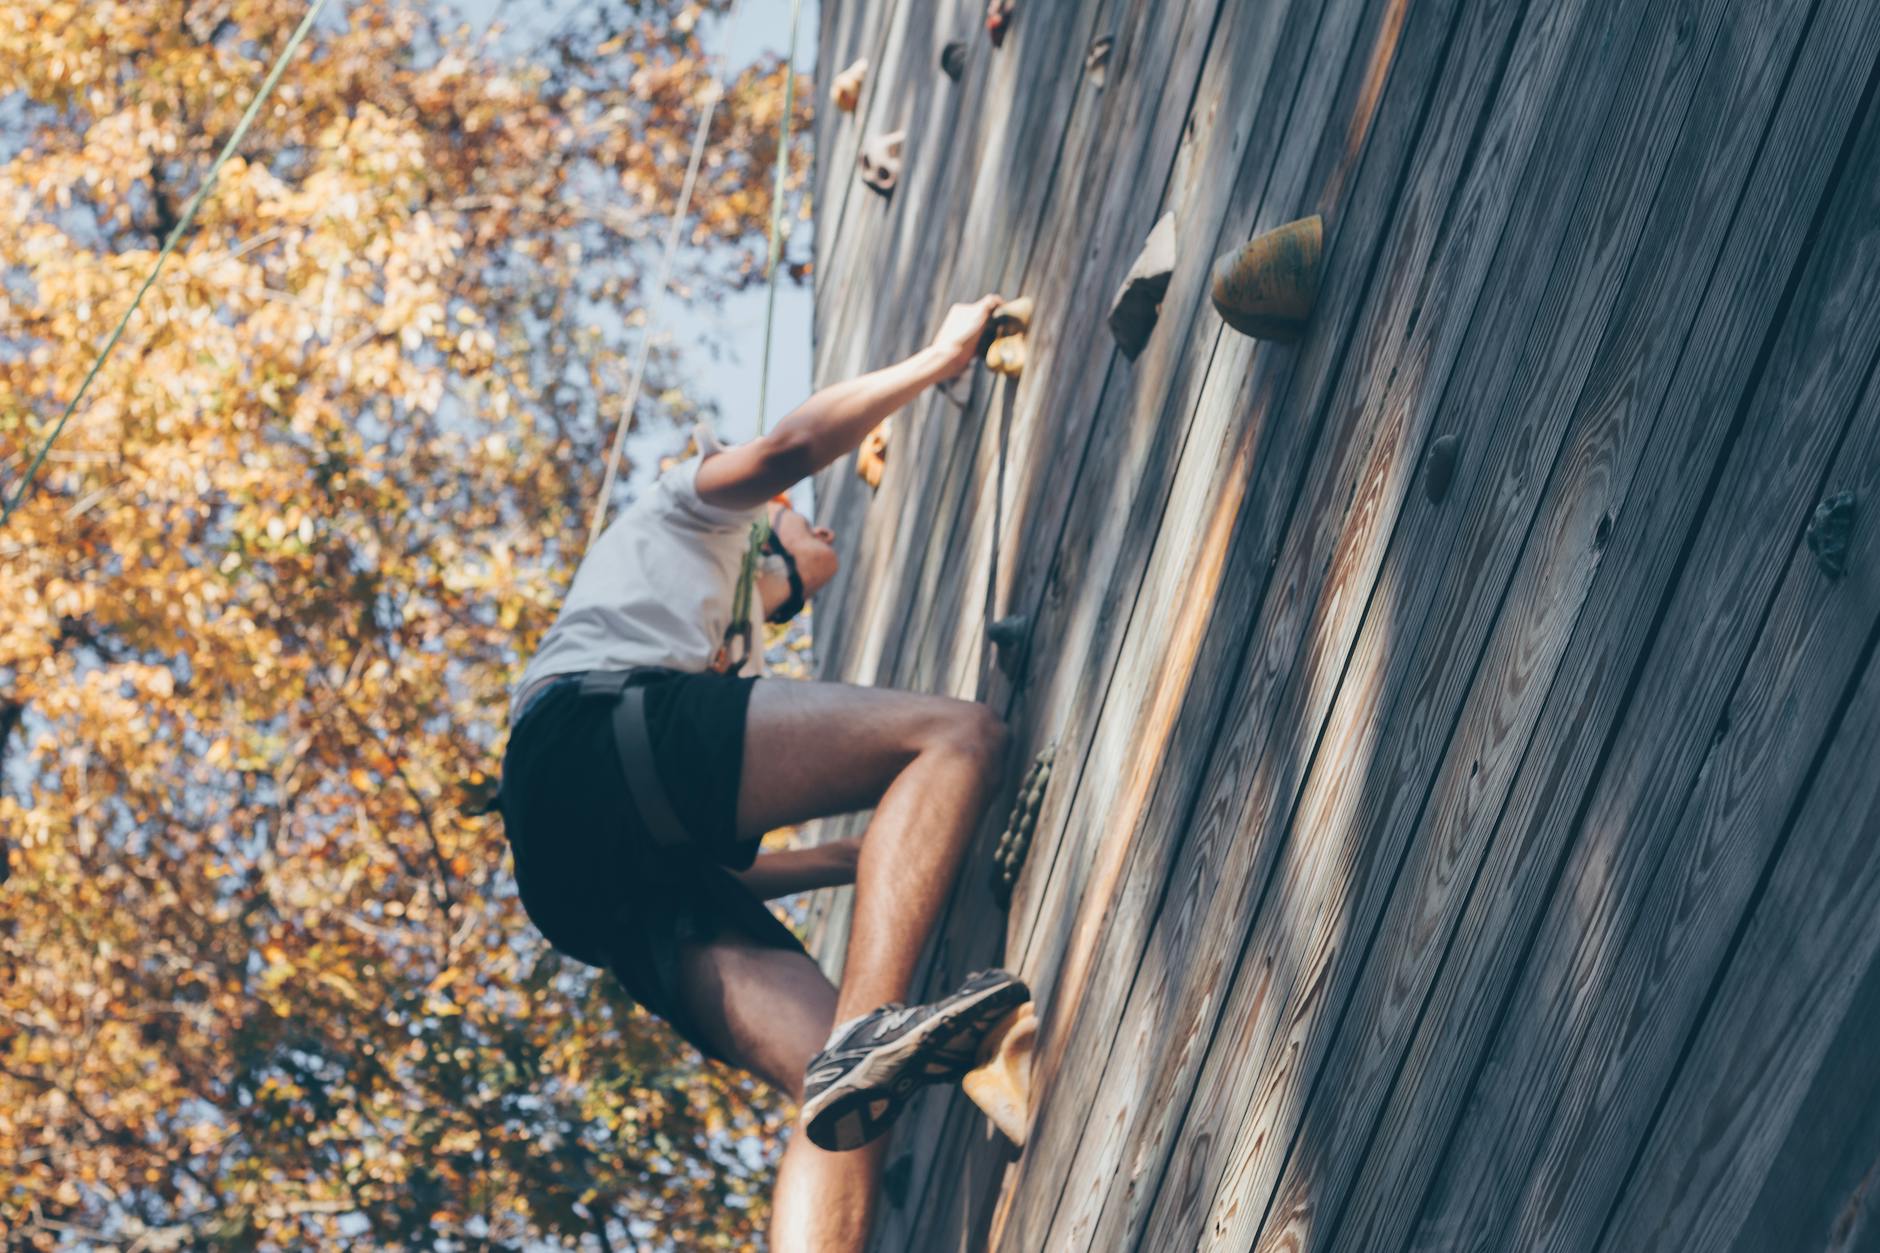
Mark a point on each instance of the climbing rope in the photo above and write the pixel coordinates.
(1004, 401)
(638, 378)
(169, 245)
(739, 629)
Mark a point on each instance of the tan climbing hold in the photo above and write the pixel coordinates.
(1006, 329)
(1017, 312)
(1007, 355)
(1268, 286)
(871, 460)
(846, 92)
(1001, 1083)
(880, 161)
(1138, 302)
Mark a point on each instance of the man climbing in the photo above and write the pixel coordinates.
(642, 771)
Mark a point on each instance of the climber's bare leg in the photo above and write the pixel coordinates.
(927, 764)
(769, 1010)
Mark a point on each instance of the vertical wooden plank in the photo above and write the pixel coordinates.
(1151, 1115)
(1576, 978)
(1469, 765)
(1790, 984)
(1593, 686)
(1823, 1186)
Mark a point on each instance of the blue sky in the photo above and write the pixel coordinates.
(728, 378)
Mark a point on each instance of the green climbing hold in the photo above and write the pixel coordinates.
(1829, 532)
(1009, 854)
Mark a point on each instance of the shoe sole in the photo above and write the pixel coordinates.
(862, 1104)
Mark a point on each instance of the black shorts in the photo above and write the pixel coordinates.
(590, 876)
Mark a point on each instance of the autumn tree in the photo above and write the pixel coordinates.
(264, 979)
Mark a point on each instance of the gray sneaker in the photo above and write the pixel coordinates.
(857, 1085)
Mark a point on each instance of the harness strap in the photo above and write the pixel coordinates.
(635, 748)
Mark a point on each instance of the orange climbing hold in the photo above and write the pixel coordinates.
(998, 19)
(846, 92)
(1001, 1083)
(871, 460)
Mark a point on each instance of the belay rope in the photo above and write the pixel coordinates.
(177, 232)
(738, 630)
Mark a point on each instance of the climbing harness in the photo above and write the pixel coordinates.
(634, 747)
(177, 232)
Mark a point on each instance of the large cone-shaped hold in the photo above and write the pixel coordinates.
(846, 92)
(1268, 286)
(1001, 1083)
(1138, 301)
(880, 161)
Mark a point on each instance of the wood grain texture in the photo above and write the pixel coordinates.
(1380, 822)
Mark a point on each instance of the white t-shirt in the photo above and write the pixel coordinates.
(656, 589)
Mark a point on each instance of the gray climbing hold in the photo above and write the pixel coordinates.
(1097, 60)
(953, 59)
(1138, 301)
(1829, 532)
(896, 1178)
(1439, 467)
(1008, 635)
(1008, 857)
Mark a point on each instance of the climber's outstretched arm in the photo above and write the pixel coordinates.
(832, 423)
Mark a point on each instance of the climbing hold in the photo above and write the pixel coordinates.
(846, 91)
(1008, 635)
(1267, 287)
(1007, 356)
(871, 459)
(896, 1178)
(953, 59)
(1006, 327)
(880, 161)
(1439, 467)
(1008, 855)
(1017, 312)
(1001, 1083)
(1097, 60)
(1829, 532)
(1138, 301)
(998, 19)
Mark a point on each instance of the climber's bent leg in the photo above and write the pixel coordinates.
(927, 764)
(769, 1010)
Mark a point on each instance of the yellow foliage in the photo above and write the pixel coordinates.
(268, 984)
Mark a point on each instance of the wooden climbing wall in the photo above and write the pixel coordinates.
(1496, 871)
